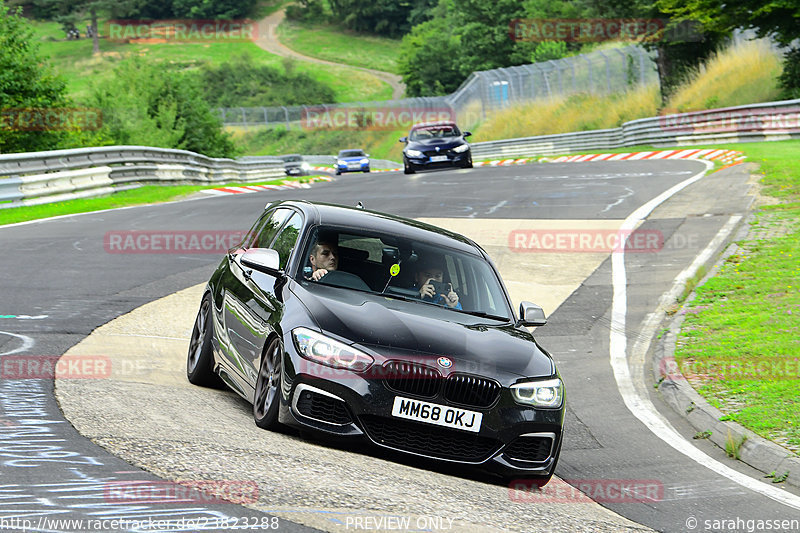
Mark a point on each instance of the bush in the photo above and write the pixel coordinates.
(790, 77)
(152, 105)
(240, 83)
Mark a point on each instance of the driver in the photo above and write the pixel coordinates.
(428, 276)
(324, 258)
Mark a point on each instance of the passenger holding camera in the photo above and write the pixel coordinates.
(431, 287)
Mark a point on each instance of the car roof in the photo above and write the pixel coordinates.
(351, 150)
(433, 124)
(319, 213)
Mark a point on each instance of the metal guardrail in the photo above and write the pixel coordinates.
(772, 121)
(42, 177)
(58, 175)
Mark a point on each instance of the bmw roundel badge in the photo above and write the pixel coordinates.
(444, 362)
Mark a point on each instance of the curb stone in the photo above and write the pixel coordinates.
(756, 451)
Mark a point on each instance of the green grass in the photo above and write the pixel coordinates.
(147, 194)
(74, 61)
(742, 339)
(276, 141)
(340, 46)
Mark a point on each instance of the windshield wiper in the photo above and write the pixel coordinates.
(487, 315)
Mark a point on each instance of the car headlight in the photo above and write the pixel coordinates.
(413, 153)
(305, 166)
(364, 161)
(326, 351)
(342, 162)
(461, 148)
(545, 393)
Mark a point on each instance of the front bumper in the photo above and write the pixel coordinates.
(453, 159)
(513, 440)
(352, 168)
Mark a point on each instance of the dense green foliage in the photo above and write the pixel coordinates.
(388, 18)
(242, 83)
(27, 84)
(140, 9)
(152, 105)
(790, 78)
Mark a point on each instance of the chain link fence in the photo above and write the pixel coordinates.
(610, 71)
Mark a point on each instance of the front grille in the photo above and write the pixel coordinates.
(532, 449)
(427, 440)
(412, 378)
(444, 151)
(471, 390)
(323, 408)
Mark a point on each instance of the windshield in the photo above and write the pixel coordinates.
(292, 158)
(399, 268)
(433, 132)
(351, 153)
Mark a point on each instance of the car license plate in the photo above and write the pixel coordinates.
(353, 165)
(440, 415)
(437, 158)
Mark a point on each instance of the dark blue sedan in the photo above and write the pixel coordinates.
(435, 145)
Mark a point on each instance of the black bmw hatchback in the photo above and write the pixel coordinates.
(435, 145)
(361, 324)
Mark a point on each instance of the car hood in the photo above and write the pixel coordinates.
(396, 329)
(442, 142)
(353, 159)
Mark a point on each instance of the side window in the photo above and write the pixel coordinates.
(287, 239)
(263, 235)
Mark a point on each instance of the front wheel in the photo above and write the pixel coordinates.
(408, 168)
(267, 397)
(200, 360)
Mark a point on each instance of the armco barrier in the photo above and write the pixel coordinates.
(771, 121)
(43, 177)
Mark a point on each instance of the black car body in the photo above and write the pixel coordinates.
(294, 165)
(357, 354)
(435, 145)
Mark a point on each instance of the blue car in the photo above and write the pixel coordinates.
(352, 161)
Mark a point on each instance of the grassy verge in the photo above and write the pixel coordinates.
(742, 74)
(276, 141)
(340, 46)
(740, 342)
(81, 69)
(148, 194)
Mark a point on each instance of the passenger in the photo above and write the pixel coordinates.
(428, 278)
(324, 258)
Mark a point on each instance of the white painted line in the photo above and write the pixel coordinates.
(27, 343)
(640, 406)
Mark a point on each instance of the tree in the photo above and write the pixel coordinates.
(150, 104)
(776, 19)
(26, 83)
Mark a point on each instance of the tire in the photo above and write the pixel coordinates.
(267, 396)
(408, 168)
(200, 359)
(338, 173)
(366, 171)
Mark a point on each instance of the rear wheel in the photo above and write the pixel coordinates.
(200, 360)
(267, 397)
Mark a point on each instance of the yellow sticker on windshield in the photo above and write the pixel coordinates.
(394, 269)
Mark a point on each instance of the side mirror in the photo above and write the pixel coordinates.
(531, 315)
(403, 139)
(467, 133)
(264, 260)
